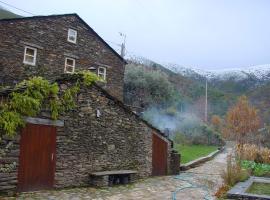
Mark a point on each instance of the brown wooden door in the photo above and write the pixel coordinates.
(37, 157)
(159, 156)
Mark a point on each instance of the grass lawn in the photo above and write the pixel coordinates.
(259, 188)
(192, 152)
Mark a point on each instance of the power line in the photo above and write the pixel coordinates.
(16, 8)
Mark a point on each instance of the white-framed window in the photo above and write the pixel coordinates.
(69, 65)
(102, 72)
(30, 55)
(72, 35)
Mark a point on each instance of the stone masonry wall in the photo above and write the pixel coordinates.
(49, 36)
(87, 143)
(9, 159)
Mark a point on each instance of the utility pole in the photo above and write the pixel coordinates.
(123, 45)
(206, 103)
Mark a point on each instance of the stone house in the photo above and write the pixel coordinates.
(100, 134)
(51, 45)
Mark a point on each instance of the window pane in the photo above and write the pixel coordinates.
(72, 38)
(72, 33)
(101, 70)
(70, 62)
(69, 68)
(29, 59)
(30, 51)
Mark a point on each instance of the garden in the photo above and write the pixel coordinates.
(247, 173)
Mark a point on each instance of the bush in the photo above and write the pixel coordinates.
(221, 193)
(180, 138)
(152, 87)
(254, 153)
(234, 173)
(257, 169)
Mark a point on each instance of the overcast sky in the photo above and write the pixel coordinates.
(205, 34)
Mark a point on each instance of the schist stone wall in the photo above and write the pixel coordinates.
(48, 35)
(117, 139)
(9, 159)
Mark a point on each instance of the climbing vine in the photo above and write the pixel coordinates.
(30, 96)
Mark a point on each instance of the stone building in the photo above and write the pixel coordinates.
(51, 45)
(101, 134)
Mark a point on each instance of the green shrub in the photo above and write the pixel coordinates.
(180, 138)
(257, 169)
(153, 87)
(31, 95)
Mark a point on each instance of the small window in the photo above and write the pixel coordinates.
(102, 72)
(69, 65)
(30, 55)
(72, 35)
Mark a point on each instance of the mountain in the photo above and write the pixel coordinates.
(259, 72)
(4, 14)
(225, 86)
(190, 91)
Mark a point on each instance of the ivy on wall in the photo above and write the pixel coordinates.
(30, 96)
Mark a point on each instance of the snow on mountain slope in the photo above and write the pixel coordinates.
(260, 72)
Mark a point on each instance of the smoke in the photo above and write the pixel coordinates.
(172, 120)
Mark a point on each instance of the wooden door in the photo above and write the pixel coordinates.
(37, 157)
(159, 156)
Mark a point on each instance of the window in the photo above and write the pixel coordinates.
(102, 72)
(30, 55)
(72, 35)
(69, 65)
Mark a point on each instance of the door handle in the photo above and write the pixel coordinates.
(52, 156)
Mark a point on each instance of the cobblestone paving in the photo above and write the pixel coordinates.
(198, 183)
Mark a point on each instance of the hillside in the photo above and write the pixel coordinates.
(189, 93)
(189, 90)
(5, 14)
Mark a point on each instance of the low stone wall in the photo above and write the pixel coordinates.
(9, 159)
(175, 163)
(201, 160)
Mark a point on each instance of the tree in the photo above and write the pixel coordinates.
(216, 122)
(148, 86)
(242, 120)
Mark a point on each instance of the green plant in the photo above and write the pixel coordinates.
(9, 121)
(29, 96)
(89, 77)
(180, 138)
(257, 169)
(153, 87)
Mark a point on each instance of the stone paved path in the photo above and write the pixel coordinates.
(198, 183)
